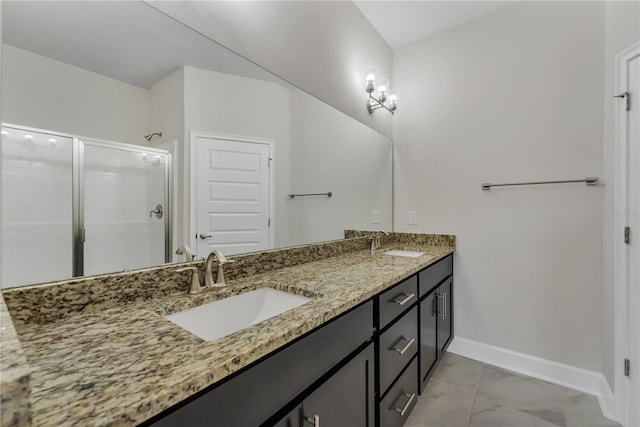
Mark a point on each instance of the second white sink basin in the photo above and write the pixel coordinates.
(226, 316)
(411, 254)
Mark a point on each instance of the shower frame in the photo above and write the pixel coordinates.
(77, 188)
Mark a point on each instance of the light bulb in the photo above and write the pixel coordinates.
(393, 99)
(370, 73)
(382, 90)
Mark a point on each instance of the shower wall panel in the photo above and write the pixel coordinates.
(36, 207)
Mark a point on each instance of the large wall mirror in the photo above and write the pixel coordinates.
(127, 134)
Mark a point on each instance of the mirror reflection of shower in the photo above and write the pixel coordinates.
(151, 135)
(80, 206)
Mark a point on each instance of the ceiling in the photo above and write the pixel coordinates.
(107, 37)
(403, 22)
(126, 40)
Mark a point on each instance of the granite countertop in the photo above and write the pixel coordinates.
(124, 364)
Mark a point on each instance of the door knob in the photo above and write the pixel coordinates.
(204, 236)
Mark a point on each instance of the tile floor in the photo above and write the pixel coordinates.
(466, 393)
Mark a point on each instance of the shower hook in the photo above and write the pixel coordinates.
(158, 211)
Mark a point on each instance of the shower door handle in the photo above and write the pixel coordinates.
(158, 211)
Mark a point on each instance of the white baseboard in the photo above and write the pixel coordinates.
(580, 379)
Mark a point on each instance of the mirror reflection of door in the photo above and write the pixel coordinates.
(233, 195)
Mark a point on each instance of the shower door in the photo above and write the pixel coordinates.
(36, 207)
(125, 207)
(74, 207)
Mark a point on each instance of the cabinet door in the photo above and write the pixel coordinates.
(292, 419)
(444, 314)
(428, 344)
(346, 399)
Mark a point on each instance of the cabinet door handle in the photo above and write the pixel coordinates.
(444, 306)
(315, 421)
(403, 410)
(402, 299)
(406, 346)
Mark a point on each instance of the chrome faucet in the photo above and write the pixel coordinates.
(376, 240)
(186, 251)
(208, 272)
(194, 287)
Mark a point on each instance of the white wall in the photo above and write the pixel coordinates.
(47, 94)
(332, 152)
(231, 105)
(166, 115)
(622, 30)
(515, 95)
(322, 47)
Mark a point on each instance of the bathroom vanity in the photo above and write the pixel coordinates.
(360, 351)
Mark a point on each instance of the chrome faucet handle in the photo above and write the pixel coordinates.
(195, 287)
(375, 242)
(220, 281)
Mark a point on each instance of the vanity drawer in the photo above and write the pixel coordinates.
(435, 273)
(398, 344)
(396, 300)
(401, 398)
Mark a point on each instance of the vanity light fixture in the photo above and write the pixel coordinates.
(384, 98)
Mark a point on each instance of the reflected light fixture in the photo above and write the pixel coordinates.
(384, 97)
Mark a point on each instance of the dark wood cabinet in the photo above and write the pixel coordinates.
(445, 314)
(346, 399)
(364, 368)
(428, 337)
(436, 314)
(274, 382)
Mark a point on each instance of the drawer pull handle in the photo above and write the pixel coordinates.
(406, 405)
(315, 421)
(402, 299)
(406, 346)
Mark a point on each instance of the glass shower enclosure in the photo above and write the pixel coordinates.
(77, 206)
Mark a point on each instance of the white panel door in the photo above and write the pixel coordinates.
(233, 191)
(633, 310)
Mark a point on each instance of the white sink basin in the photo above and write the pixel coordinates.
(226, 316)
(411, 254)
